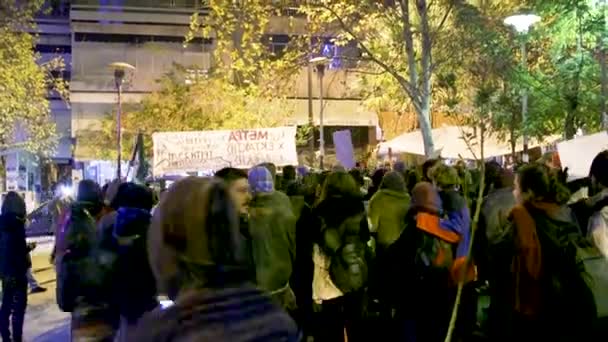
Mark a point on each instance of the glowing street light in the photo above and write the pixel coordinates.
(522, 24)
(120, 69)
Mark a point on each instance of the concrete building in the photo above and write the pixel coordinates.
(149, 34)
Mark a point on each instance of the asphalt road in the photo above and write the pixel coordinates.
(44, 322)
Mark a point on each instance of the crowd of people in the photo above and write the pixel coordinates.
(249, 255)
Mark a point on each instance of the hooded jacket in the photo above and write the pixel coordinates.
(14, 260)
(134, 282)
(272, 226)
(388, 208)
(241, 314)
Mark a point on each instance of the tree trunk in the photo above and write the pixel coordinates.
(2, 174)
(423, 112)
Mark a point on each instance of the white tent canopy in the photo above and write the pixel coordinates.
(449, 142)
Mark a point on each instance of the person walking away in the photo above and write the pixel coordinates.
(273, 228)
(536, 264)
(133, 284)
(387, 212)
(83, 284)
(14, 263)
(198, 257)
(598, 223)
(341, 260)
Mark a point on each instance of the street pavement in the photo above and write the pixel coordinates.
(44, 322)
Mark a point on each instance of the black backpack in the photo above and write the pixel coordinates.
(349, 255)
(577, 275)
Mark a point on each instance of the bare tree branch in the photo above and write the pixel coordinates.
(407, 86)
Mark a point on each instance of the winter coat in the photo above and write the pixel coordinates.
(272, 226)
(597, 228)
(14, 258)
(133, 283)
(242, 314)
(387, 210)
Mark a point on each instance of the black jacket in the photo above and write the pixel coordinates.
(14, 259)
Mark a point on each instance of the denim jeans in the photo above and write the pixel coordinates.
(14, 303)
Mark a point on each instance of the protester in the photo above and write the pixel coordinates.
(535, 272)
(133, 284)
(342, 239)
(272, 225)
(197, 255)
(14, 263)
(83, 286)
(598, 223)
(387, 209)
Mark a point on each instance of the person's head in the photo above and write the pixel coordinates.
(289, 173)
(393, 180)
(194, 239)
(270, 167)
(426, 169)
(339, 184)
(13, 204)
(377, 177)
(539, 183)
(89, 191)
(357, 176)
(598, 173)
(425, 198)
(444, 177)
(261, 180)
(132, 195)
(238, 185)
(493, 174)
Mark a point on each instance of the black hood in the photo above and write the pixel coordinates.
(131, 221)
(335, 209)
(10, 221)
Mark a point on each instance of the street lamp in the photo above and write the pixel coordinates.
(320, 63)
(522, 23)
(120, 69)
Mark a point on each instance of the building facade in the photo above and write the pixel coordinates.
(149, 34)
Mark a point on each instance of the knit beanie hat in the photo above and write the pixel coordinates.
(393, 180)
(424, 196)
(445, 176)
(260, 180)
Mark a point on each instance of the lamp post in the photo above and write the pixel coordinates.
(120, 69)
(522, 23)
(320, 63)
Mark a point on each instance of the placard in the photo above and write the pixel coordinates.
(345, 152)
(181, 152)
(577, 154)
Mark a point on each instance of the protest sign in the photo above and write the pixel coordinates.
(344, 148)
(181, 152)
(577, 154)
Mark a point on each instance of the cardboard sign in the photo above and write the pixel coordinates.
(182, 152)
(345, 152)
(577, 154)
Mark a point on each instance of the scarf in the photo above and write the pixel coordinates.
(527, 261)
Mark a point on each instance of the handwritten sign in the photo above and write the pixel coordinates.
(181, 152)
(577, 154)
(344, 148)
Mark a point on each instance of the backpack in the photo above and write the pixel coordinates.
(577, 276)
(436, 260)
(78, 272)
(349, 255)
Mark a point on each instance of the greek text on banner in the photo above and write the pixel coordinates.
(181, 152)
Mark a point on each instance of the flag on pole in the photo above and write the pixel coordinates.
(138, 161)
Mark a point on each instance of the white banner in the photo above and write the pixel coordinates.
(180, 152)
(578, 153)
